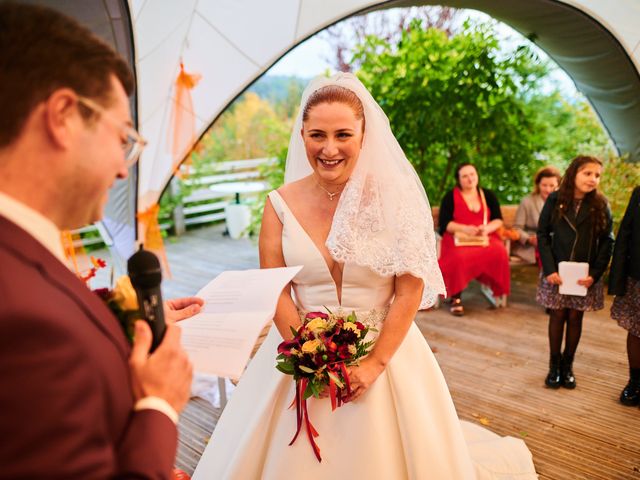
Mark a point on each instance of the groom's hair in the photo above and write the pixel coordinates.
(41, 51)
(334, 94)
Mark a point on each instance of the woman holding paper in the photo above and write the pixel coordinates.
(575, 226)
(624, 283)
(354, 213)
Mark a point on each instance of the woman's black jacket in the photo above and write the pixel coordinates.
(626, 255)
(571, 238)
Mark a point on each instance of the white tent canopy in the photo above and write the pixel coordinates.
(232, 42)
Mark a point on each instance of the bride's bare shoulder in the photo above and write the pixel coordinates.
(295, 190)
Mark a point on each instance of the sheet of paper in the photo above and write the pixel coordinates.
(570, 273)
(238, 304)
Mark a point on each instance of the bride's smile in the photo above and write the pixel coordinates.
(332, 136)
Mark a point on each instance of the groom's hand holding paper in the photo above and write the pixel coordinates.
(570, 273)
(237, 306)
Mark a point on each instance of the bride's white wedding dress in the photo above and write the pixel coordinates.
(404, 426)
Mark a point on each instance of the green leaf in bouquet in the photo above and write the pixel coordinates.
(293, 331)
(286, 368)
(352, 317)
(306, 369)
(313, 389)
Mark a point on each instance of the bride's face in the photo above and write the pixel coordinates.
(332, 138)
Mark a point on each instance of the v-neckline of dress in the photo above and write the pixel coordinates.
(337, 289)
(464, 200)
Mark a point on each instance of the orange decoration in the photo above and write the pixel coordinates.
(152, 235)
(183, 118)
(510, 233)
(69, 248)
(84, 266)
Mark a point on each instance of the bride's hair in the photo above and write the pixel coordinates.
(334, 94)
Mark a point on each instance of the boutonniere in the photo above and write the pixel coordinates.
(123, 303)
(121, 299)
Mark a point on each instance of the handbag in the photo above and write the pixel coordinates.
(461, 239)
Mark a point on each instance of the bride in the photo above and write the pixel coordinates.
(354, 213)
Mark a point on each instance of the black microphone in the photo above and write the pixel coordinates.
(146, 276)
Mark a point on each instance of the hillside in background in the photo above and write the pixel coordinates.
(277, 88)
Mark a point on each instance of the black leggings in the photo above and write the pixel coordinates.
(633, 350)
(557, 320)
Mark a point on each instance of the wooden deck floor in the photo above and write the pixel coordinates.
(494, 362)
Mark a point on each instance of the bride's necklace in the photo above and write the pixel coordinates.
(329, 194)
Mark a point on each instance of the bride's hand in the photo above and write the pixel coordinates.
(362, 376)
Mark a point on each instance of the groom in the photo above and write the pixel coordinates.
(76, 401)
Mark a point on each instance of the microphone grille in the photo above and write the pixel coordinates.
(144, 269)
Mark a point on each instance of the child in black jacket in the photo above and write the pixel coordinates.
(575, 225)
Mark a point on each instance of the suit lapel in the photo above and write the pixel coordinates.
(59, 276)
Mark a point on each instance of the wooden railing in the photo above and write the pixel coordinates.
(202, 205)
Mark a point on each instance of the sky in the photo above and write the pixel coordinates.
(310, 57)
(306, 60)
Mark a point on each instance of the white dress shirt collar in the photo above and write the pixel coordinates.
(34, 223)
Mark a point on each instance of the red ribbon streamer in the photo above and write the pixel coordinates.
(338, 397)
(302, 414)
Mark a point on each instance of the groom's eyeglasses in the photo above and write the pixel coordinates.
(132, 141)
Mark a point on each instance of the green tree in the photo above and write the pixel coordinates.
(250, 128)
(463, 98)
(619, 178)
(568, 128)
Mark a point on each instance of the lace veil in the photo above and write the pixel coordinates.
(383, 219)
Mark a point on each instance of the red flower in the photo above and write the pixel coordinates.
(103, 293)
(343, 351)
(89, 275)
(312, 315)
(286, 346)
(98, 262)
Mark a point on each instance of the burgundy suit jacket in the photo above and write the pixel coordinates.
(66, 403)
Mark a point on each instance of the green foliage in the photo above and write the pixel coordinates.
(273, 174)
(282, 92)
(250, 128)
(567, 129)
(618, 181)
(462, 98)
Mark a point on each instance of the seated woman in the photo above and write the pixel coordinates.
(471, 248)
(546, 181)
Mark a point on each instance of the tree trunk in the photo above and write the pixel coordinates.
(451, 160)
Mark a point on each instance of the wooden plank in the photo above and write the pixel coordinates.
(207, 207)
(494, 362)
(223, 177)
(213, 217)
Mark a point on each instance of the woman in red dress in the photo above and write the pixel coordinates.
(471, 248)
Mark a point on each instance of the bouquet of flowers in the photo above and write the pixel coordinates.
(317, 357)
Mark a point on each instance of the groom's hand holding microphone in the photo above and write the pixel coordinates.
(160, 368)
